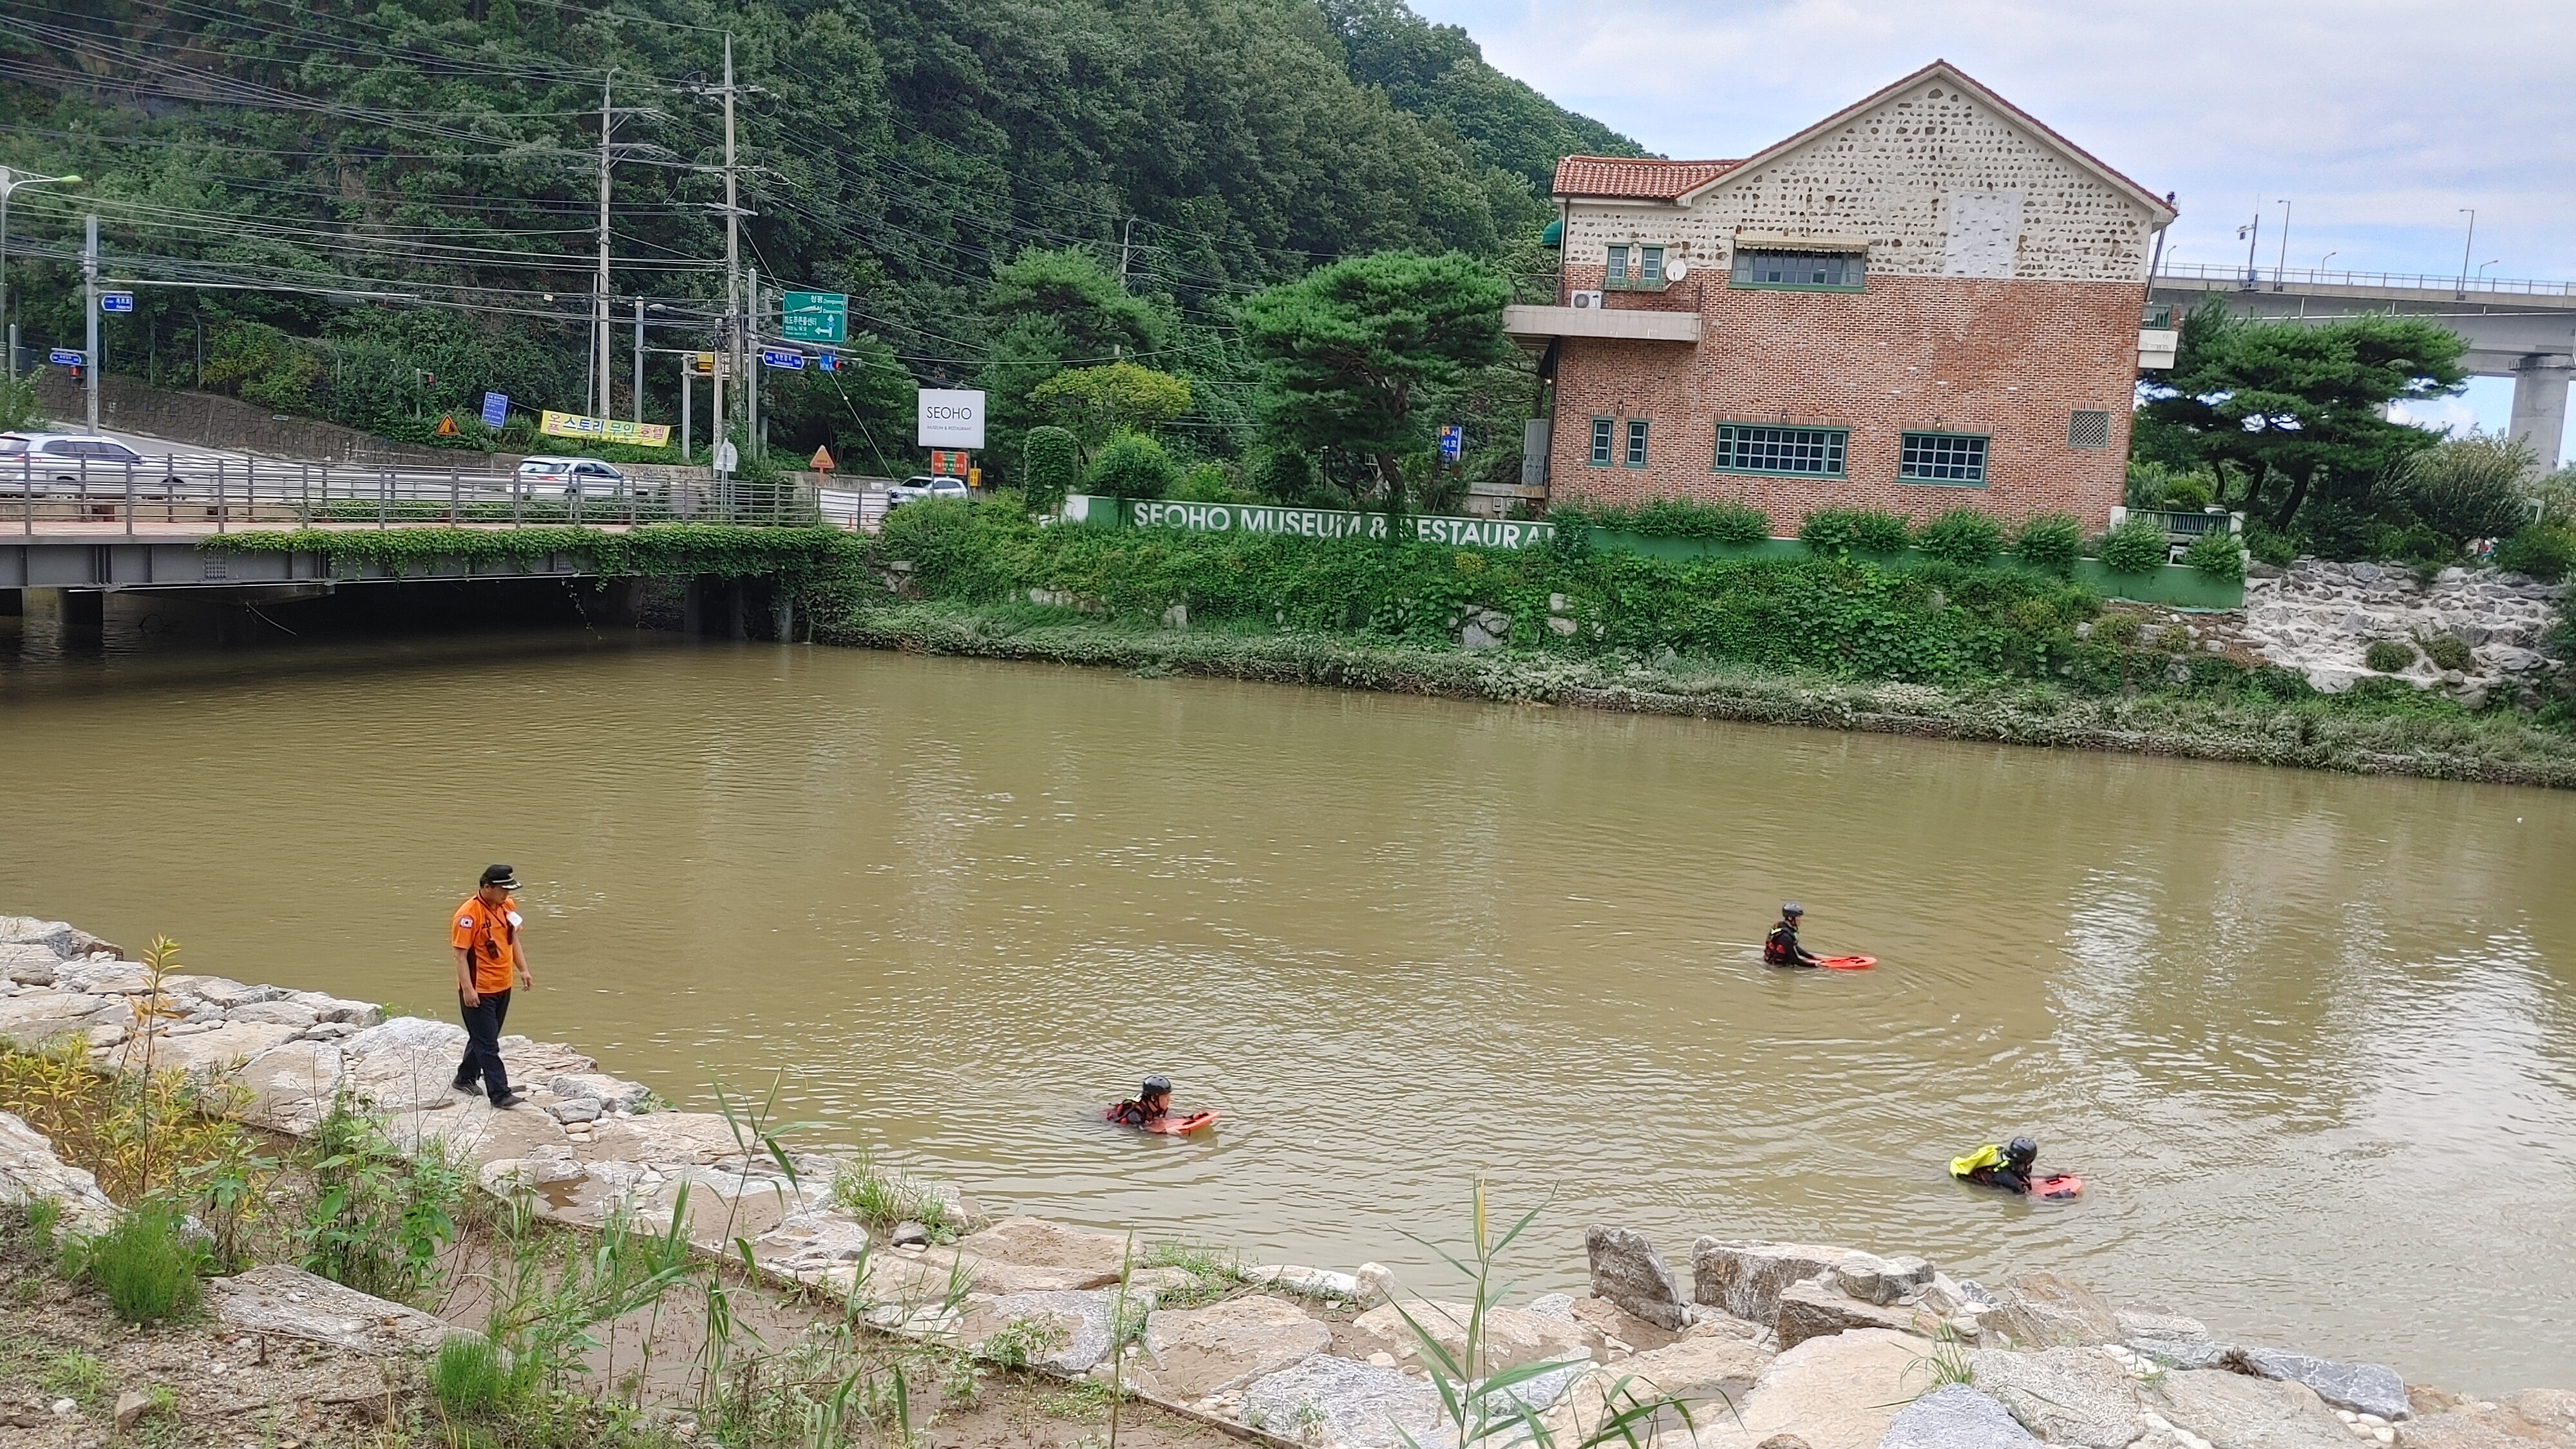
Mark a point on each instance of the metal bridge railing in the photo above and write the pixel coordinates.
(2257, 277)
(218, 492)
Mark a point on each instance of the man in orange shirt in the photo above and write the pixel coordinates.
(485, 935)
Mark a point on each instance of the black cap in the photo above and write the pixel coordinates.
(2022, 1149)
(1156, 1084)
(502, 876)
(1792, 908)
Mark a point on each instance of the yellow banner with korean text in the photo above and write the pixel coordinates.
(604, 430)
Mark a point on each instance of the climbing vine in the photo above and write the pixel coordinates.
(792, 554)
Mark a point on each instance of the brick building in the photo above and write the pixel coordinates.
(1927, 300)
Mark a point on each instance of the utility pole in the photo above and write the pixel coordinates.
(89, 293)
(1124, 232)
(638, 398)
(599, 299)
(751, 371)
(685, 382)
(2253, 233)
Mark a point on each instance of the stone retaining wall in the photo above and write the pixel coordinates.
(1773, 1345)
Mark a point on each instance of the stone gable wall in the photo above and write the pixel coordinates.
(1890, 175)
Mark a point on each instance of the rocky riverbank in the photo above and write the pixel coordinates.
(2497, 746)
(1767, 1345)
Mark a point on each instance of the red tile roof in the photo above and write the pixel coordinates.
(1634, 177)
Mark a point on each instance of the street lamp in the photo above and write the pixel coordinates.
(2482, 270)
(2330, 256)
(10, 181)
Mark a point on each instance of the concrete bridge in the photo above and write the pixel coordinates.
(2523, 330)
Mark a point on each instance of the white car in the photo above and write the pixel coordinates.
(925, 486)
(61, 463)
(570, 478)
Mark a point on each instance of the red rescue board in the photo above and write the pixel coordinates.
(1847, 963)
(2059, 1188)
(1175, 1126)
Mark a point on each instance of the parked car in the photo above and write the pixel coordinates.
(923, 485)
(54, 464)
(571, 478)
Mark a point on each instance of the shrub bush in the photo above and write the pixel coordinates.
(1734, 523)
(2389, 656)
(1967, 537)
(1208, 483)
(2135, 547)
(2216, 555)
(1132, 465)
(2280, 550)
(1830, 531)
(2448, 651)
(1050, 466)
(147, 1265)
(2189, 493)
(2469, 487)
(380, 1215)
(2543, 550)
(2049, 542)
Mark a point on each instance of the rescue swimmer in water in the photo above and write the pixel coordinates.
(1781, 947)
(1150, 1110)
(2013, 1167)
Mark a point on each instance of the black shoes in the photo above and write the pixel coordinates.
(471, 1089)
(507, 1100)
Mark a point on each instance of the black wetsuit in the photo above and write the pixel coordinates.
(1781, 947)
(1134, 1114)
(2005, 1175)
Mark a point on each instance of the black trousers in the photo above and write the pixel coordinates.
(483, 1042)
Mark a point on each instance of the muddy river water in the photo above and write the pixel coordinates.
(2311, 1039)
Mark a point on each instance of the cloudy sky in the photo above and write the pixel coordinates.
(2377, 121)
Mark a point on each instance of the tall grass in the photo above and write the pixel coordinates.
(380, 1214)
(147, 1264)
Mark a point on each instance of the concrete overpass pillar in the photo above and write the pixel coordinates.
(2540, 404)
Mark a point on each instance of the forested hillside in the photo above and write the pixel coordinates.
(976, 176)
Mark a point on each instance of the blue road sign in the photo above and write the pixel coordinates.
(1453, 440)
(496, 409)
(65, 357)
(116, 301)
(829, 362)
(777, 357)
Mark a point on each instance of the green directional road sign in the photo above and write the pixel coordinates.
(814, 317)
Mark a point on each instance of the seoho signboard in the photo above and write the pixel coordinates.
(1448, 529)
(951, 420)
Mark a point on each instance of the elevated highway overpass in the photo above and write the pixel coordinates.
(2524, 330)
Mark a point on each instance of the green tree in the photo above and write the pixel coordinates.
(2300, 410)
(2471, 487)
(1353, 350)
(1132, 465)
(1050, 467)
(1095, 402)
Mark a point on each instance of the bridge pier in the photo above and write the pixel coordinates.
(2540, 404)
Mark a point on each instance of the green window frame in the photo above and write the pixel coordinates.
(1614, 273)
(1781, 452)
(1949, 460)
(1650, 266)
(1636, 457)
(1602, 431)
(1764, 269)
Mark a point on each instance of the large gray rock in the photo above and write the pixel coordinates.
(57, 938)
(1955, 1416)
(1874, 1279)
(292, 1303)
(2236, 1411)
(1811, 1310)
(1841, 1391)
(1068, 1257)
(405, 1064)
(807, 1243)
(220, 991)
(1511, 1336)
(1196, 1352)
(291, 1085)
(2043, 1310)
(2364, 1388)
(1628, 1271)
(1744, 1276)
(1709, 1375)
(1338, 1401)
(1065, 1331)
(281, 1013)
(2072, 1396)
(28, 964)
(31, 1173)
(42, 1017)
(216, 1054)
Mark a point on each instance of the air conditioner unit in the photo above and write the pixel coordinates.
(1588, 299)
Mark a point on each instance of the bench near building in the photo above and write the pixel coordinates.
(1927, 300)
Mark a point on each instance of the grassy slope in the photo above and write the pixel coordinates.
(2317, 733)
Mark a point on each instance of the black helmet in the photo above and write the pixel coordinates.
(2022, 1150)
(1792, 908)
(1160, 1085)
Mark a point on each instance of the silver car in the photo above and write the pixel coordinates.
(570, 478)
(70, 464)
(923, 485)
